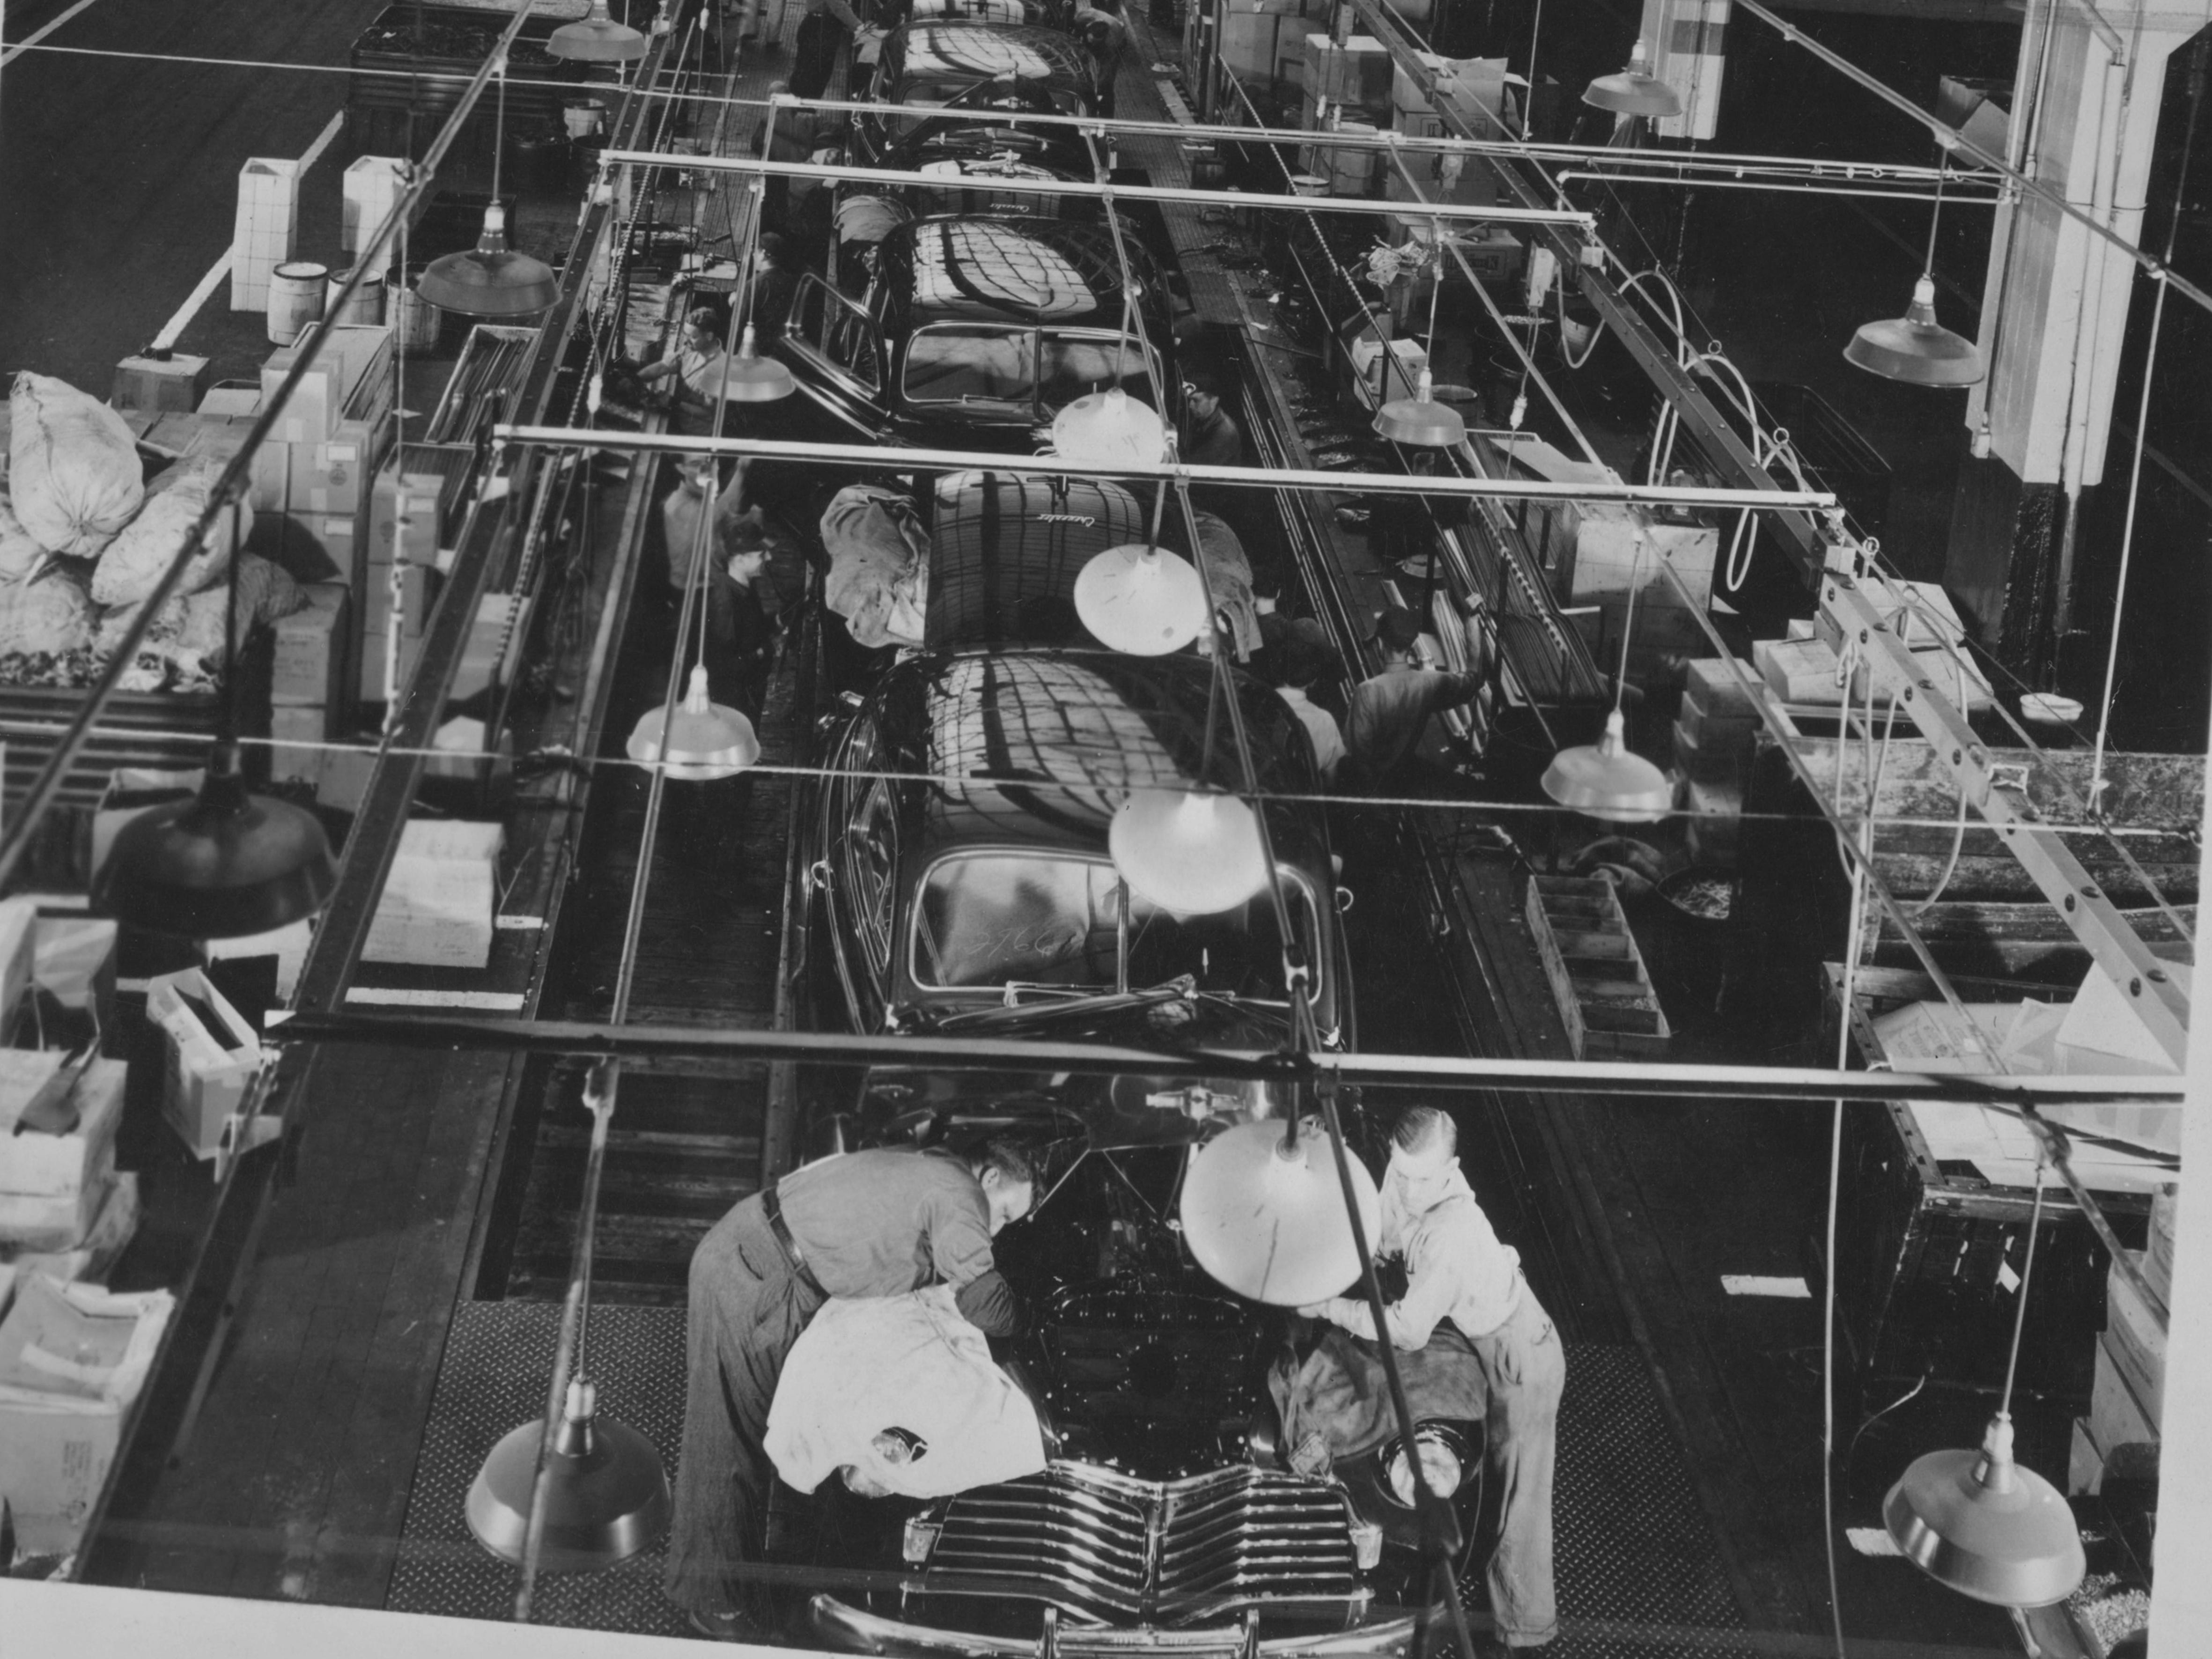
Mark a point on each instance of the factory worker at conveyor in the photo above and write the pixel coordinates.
(1465, 1304)
(867, 1224)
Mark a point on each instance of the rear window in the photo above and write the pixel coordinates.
(971, 363)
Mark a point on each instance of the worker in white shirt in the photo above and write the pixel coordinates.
(1457, 1270)
(1299, 665)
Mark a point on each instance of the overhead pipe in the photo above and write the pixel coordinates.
(1248, 477)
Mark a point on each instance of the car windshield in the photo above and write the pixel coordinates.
(1064, 921)
(981, 363)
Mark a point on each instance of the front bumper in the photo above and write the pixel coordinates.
(847, 1628)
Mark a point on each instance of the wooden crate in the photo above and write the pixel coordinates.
(1597, 974)
(1927, 1250)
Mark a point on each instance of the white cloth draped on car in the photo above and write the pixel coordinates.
(878, 577)
(904, 1392)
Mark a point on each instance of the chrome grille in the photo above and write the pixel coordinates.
(1096, 1542)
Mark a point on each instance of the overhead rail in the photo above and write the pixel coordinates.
(821, 171)
(1250, 478)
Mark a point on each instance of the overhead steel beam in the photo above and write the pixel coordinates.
(823, 171)
(1033, 1055)
(1060, 466)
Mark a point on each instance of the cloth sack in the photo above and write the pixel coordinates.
(1333, 1398)
(1229, 569)
(135, 560)
(50, 615)
(902, 1392)
(20, 552)
(879, 575)
(74, 476)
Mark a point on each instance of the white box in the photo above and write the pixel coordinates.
(438, 902)
(204, 1081)
(91, 1258)
(58, 1166)
(58, 1433)
(57, 1221)
(267, 230)
(372, 185)
(73, 961)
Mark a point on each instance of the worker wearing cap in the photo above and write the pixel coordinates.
(1457, 1271)
(866, 1224)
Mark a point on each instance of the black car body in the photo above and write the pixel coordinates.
(975, 332)
(978, 894)
(970, 66)
(968, 154)
(1042, 14)
(1167, 1519)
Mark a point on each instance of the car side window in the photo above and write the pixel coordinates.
(971, 363)
(840, 331)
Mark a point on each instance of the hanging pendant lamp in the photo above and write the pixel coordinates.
(1607, 779)
(489, 280)
(1110, 426)
(596, 39)
(1976, 1522)
(1267, 1220)
(753, 378)
(1191, 853)
(606, 1495)
(705, 741)
(1915, 349)
(1635, 90)
(1420, 420)
(1141, 599)
(220, 866)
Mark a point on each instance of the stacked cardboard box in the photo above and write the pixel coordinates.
(267, 230)
(438, 902)
(2120, 1438)
(1713, 732)
(59, 1426)
(1925, 620)
(63, 1208)
(311, 479)
(413, 536)
(1263, 42)
(372, 185)
(310, 684)
(168, 384)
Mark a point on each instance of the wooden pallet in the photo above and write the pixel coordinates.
(1597, 975)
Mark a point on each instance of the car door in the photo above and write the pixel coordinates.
(834, 351)
(854, 868)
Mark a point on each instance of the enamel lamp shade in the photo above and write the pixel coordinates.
(1606, 779)
(489, 280)
(1979, 1523)
(1421, 420)
(753, 378)
(220, 865)
(596, 39)
(606, 1495)
(1144, 600)
(1635, 90)
(1915, 349)
(1193, 855)
(705, 739)
(1268, 1221)
(1110, 426)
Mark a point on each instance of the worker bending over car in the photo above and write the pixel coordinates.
(1459, 1280)
(867, 1224)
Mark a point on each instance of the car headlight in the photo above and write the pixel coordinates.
(1444, 1460)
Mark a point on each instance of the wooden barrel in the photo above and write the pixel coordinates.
(364, 305)
(415, 322)
(295, 300)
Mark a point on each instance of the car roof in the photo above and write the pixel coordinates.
(988, 51)
(991, 726)
(1011, 268)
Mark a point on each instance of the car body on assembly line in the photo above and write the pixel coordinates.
(960, 67)
(976, 330)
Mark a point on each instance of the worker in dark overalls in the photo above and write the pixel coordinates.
(1457, 1271)
(879, 1222)
(822, 32)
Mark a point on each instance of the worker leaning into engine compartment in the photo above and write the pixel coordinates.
(1461, 1280)
(867, 1224)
